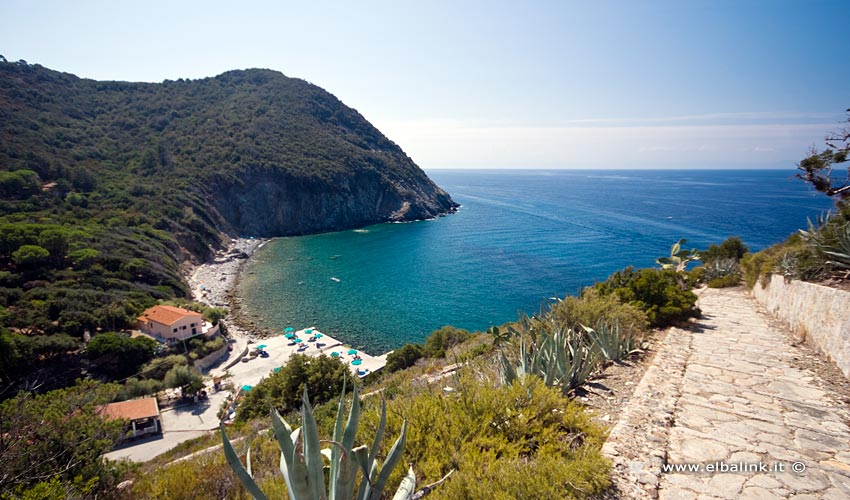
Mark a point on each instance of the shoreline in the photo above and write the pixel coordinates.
(216, 283)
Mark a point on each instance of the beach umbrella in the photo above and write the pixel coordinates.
(308, 331)
(247, 388)
(289, 329)
(356, 362)
(334, 354)
(277, 369)
(261, 346)
(289, 335)
(352, 351)
(298, 341)
(319, 335)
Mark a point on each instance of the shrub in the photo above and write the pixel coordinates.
(158, 367)
(404, 357)
(656, 292)
(522, 440)
(187, 378)
(118, 355)
(793, 258)
(439, 341)
(134, 388)
(322, 376)
(594, 308)
(732, 248)
(725, 281)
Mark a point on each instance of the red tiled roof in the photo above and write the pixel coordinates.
(166, 315)
(132, 410)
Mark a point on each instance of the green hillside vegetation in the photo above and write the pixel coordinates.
(107, 188)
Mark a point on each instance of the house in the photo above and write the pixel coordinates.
(143, 415)
(174, 323)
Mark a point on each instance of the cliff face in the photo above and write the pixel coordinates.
(274, 203)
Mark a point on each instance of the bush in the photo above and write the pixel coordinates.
(322, 376)
(158, 367)
(522, 440)
(404, 357)
(593, 308)
(118, 355)
(725, 281)
(187, 378)
(656, 292)
(731, 248)
(442, 340)
(793, 258)
(134, 388)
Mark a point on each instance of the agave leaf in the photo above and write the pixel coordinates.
(349, 464)
(282, 432)
(241, 473)
(389, 464)
(353, 421)
(407, 486)
(366, 483)
(335, 451)
(312, 449)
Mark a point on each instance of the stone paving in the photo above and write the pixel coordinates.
(724, 395)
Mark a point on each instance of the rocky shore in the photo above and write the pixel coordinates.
(215, 283)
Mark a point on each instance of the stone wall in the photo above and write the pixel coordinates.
(211, 359)
(819, 313)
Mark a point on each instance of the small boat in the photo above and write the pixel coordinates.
(335, 279)
(669, 218)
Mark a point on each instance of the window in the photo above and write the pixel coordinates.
(175, 330)
(192, 325)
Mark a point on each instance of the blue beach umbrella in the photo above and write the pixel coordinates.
(289, 335)
(319, 335)
(289, 329)
(334, 354)
(247, 388)
(352, 351)
(277, 369)
(297, 341)
(308, 331)
(261, 346)
(356, 362)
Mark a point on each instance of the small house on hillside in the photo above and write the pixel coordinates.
(174, 323)
(143, 415)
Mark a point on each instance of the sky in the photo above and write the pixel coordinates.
(492, 84)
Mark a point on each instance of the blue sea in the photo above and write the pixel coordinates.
(520, 239)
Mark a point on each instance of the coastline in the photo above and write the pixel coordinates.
(216, 283)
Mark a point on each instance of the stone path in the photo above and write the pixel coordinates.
(725, 399)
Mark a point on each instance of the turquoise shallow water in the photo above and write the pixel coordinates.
(519, 238)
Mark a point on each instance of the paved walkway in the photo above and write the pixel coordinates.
(724, 398)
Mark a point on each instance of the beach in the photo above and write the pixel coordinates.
(216, 284)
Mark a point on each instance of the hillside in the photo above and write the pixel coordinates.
(106, 188)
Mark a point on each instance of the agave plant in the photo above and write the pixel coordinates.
(610, 341)
(302, 459)
(559, 357)
(836, 248)
(678, 259)
(719, 268)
